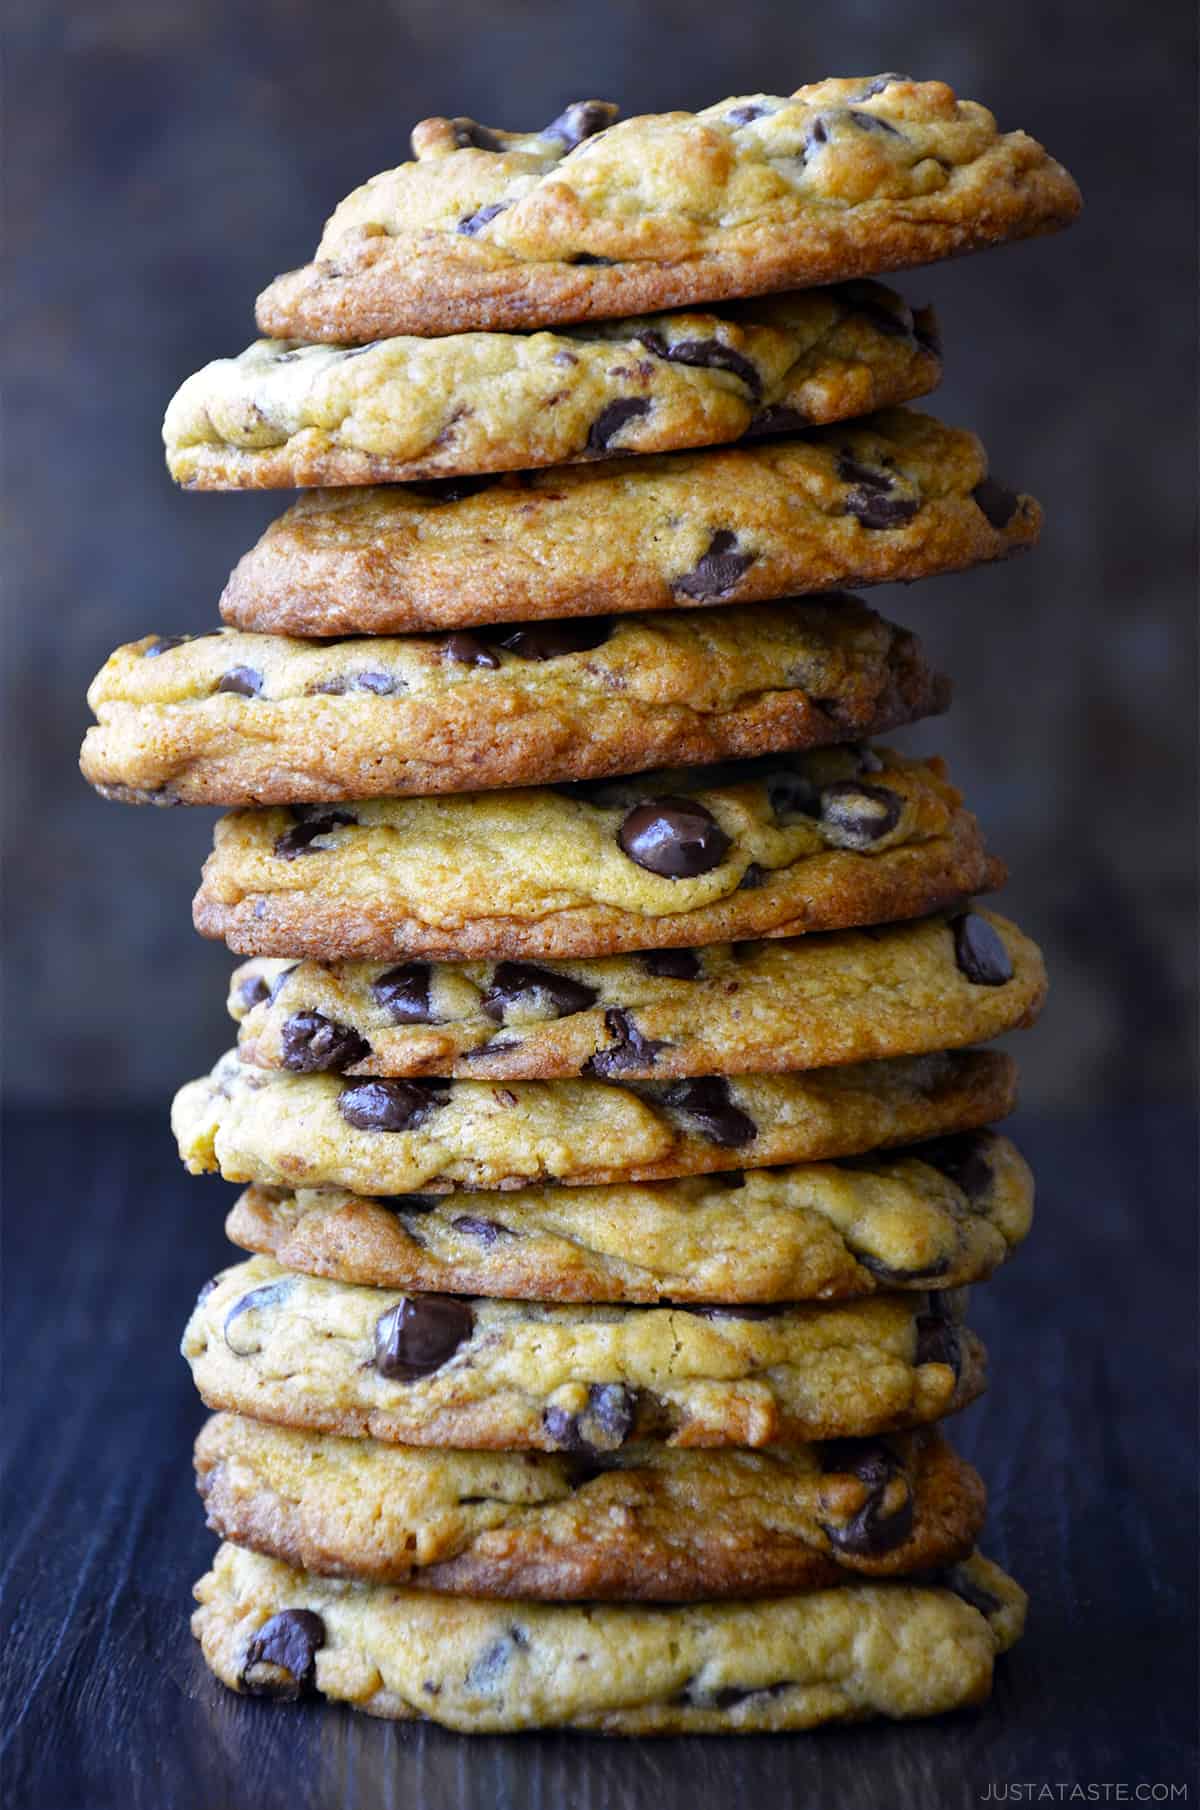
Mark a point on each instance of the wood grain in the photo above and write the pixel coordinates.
(1085, 1441)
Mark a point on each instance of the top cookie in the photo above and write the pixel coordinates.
(286, 415)
(585, 220)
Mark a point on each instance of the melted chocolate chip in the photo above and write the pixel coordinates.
(875, 1528)
(582, 119)
(870, 499)
(589, 257)
(488, 1231)
(753, 878)
(979, 952)
(630, 1049)
(709, 1103)
(281, 1659)
(671, 964)
(885, 311)
(411, 1203)
(602, 1426)
(937, 1338)
(391, 1105)
(380, 684)
(315, 1045)
(961, 1157)
(776, 418)
(486, 1672)
(242, 681)
(468, 133)
(280, 981)
(252, 991)
(997, 501)
(470, 224)
(741, 116)
(856, 815)
(674, 837)
(550, 640)
(468, 650)
(887, 1272)
(879, 84)
(299, 839)
(162, 644)
(524, 984)
(704, 354)
(419, 1335)
(611, 420)
(792, 795)
(716, 572)
(871, 122)
(403, 993)
(242, 1341)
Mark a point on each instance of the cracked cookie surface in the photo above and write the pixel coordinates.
(248, 719)
(894, 497)
(442, 1370)
(287, 415)
(897, 1649)
(821, 840)
(935, 1215)
(650, 1523)
(738, 1008)
(590, 218)
(392, 1137)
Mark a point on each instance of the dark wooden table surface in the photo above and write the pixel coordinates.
(1087, 1441)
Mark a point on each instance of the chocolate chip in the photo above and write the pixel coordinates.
(299, 839)
(958, 1579)
(717, 571)
(419, 1335)
(753, 878)
(589, 257)
(817, 135)
(979, 952)
(886, 1272)
(671, 964)
(162, 644)
(471, 223)
(242, 1342)
(961, 1157)
(741, 116)
(673, 837)
(709, 1102)
(579, 121)
(879, 84)
(550, 640)
(281, 1659)
(792, 795)
(776, 418)
(539, 989)
(468, 650)
(854, 816)
(403, 993)
(391, 1105)
(876, 1527)
(611, 420)
(602, 1426)
(451, 490)
(486, 1672)
(315, 1045)
(629, 1051)
(411, 1203)
(704, 354)
(937, 1338)
(882, 307)
(870, 499)
(468, 133)
(252, 991)
(871, 122)
(280, 981)
(380, 684)
(488, 1231)
(243, 681)
(997, 501)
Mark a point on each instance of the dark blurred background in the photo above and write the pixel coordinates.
(166, 160)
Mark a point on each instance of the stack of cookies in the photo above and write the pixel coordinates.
(607, 1089)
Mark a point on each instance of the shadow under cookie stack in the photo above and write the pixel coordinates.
(616, 1139)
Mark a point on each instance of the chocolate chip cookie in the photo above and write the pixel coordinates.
(247, 719)
(821, 840)
(284, 415)
(738, 1008)
(645, 1524)
(895, 497)
(442, 1370)
(934, 1215)
(391, 1137)
(587, 218)
(897, 1649)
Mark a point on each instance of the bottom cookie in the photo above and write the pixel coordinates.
(841, 1655)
